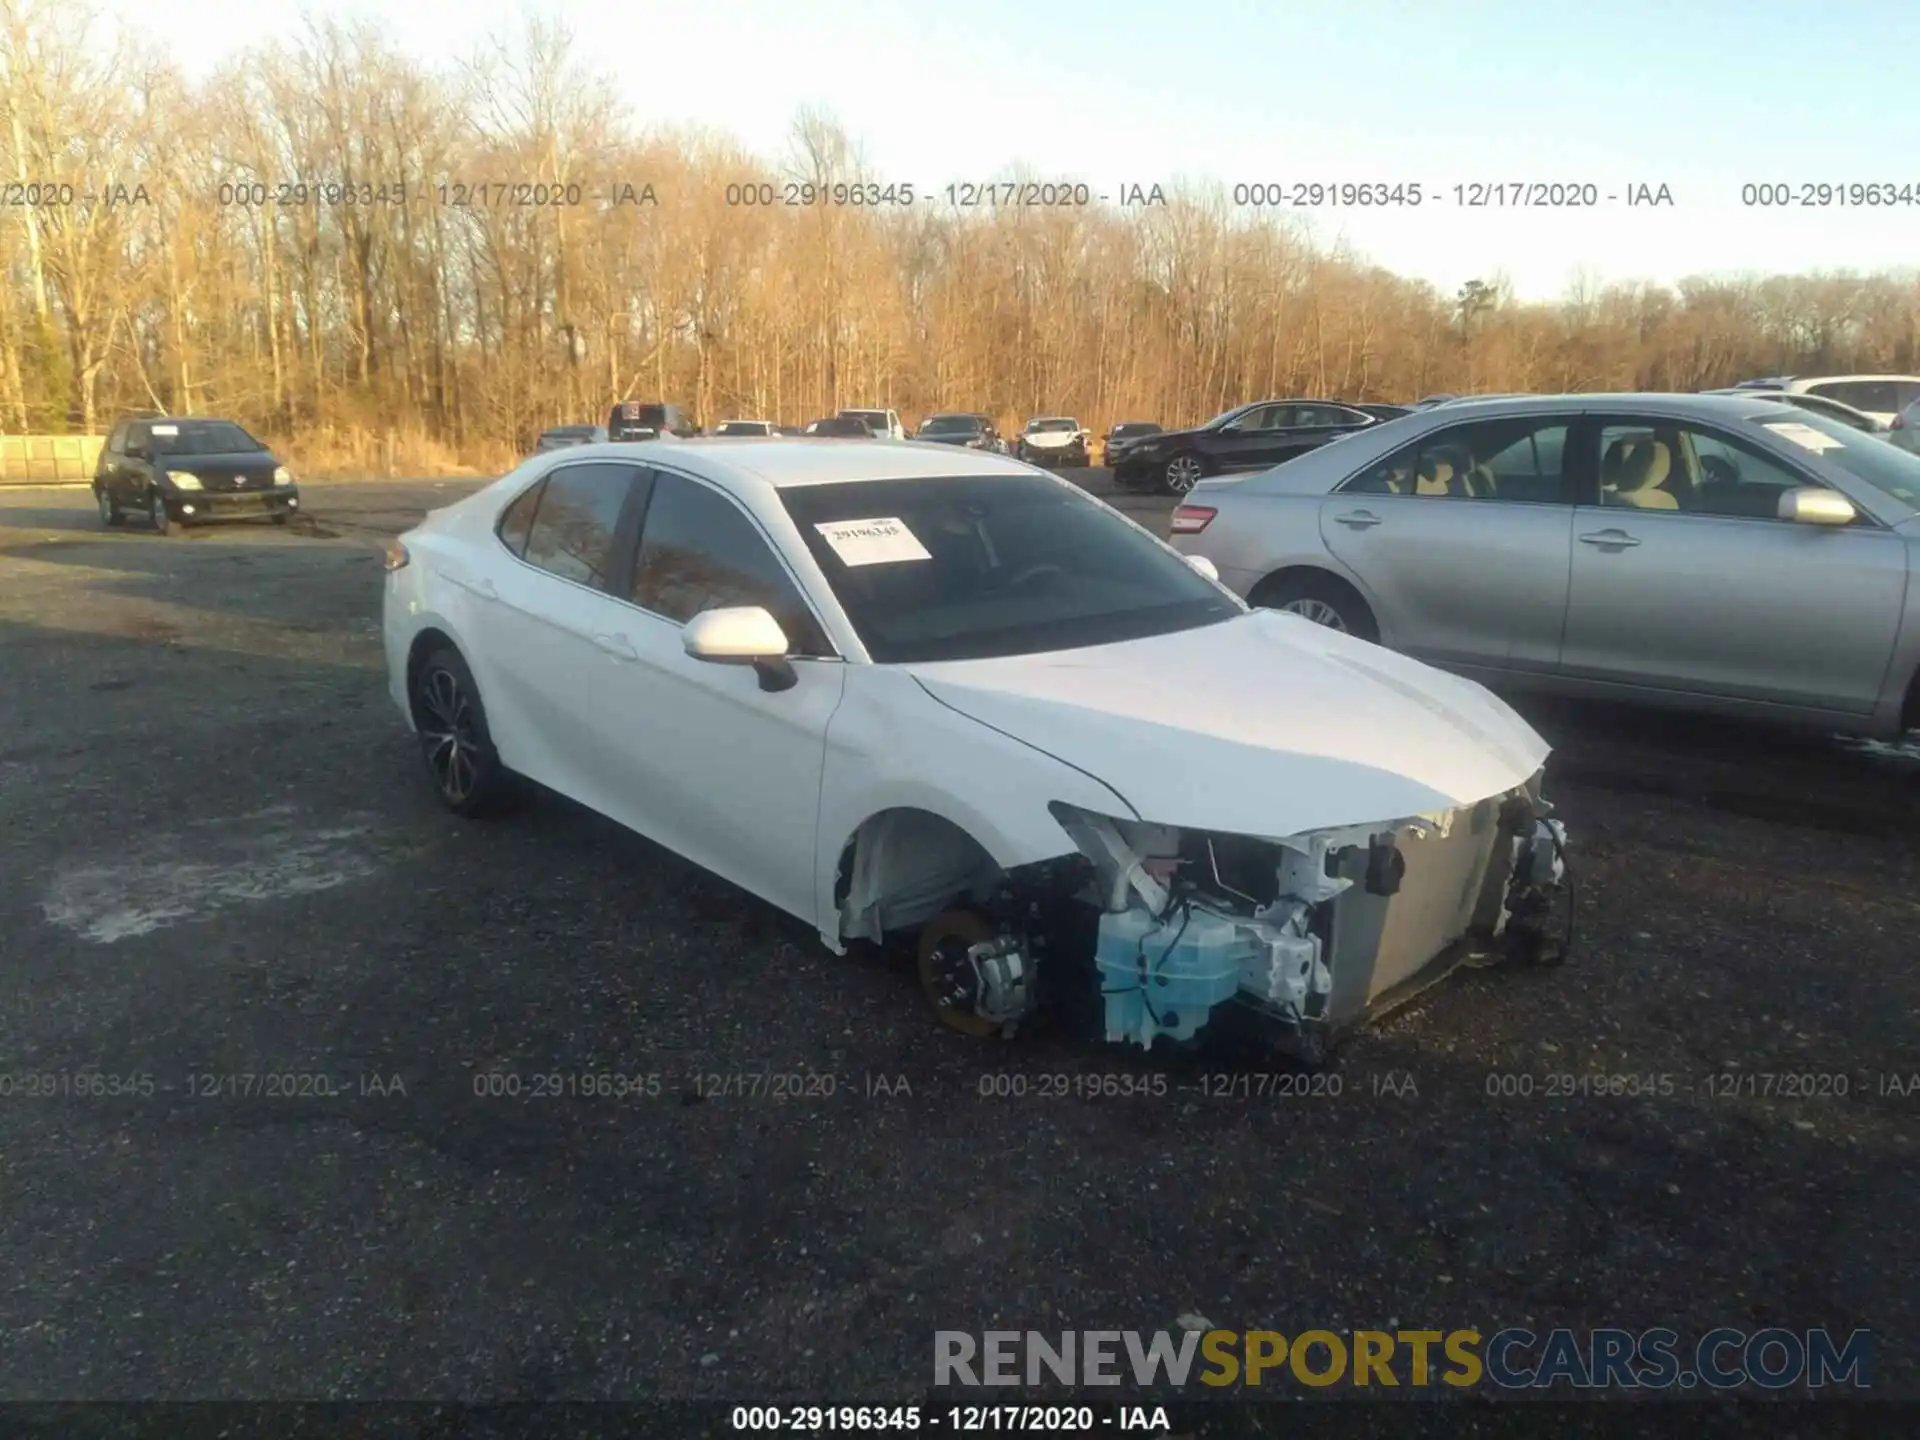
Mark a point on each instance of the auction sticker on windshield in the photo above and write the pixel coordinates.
(166, 430)
(884, 541)
(1806, 437)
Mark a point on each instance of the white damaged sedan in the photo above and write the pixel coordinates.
(937, 697)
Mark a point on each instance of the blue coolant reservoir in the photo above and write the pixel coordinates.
(1163, 977)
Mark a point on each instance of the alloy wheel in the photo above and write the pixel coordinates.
(1318, 611)
(1183, 473)
(448, 735)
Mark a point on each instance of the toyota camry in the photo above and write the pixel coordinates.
(938, 698)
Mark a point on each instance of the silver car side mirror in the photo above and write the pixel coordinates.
(1811, 505)
(741, 635)
(1205, 566)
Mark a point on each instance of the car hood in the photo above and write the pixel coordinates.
(1050, 437)
(1265, 724)
(960, 438)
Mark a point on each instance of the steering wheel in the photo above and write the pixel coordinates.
(1034, 572)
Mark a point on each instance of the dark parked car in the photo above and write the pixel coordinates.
(843, 427)
(1248, 437)
(560, 437)
(1120, 436)
(974, 431)
(1384, 412)
(749, 428)
(180, 471)
(646, 420)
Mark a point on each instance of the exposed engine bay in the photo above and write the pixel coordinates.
(1155, 932)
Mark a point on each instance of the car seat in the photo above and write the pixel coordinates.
(1643, 477)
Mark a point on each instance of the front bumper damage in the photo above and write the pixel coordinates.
(1310, 935)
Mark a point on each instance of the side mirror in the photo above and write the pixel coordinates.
(1205, 566)
(1812, 505)
(1230, 427)
(741, 635)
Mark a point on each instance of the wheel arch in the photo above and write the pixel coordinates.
(1320, 575)
(425, 641)
(904, 864)
(1910, 703)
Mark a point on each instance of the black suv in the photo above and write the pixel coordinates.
(182, 470)
(644, 420)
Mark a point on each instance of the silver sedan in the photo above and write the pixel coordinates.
(1724, 553)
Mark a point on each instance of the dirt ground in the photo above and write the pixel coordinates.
(219, 858)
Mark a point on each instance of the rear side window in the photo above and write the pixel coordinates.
(1905, 392)
(1873, 396)
(516, 522)
(700, 551)
(1515, 460)
(575, 521)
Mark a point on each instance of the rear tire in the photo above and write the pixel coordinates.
(454, 740)
(1321, 599)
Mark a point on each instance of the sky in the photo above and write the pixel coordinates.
(1701, 96)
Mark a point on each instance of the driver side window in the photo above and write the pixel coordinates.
(700, 551)
(1658, 465)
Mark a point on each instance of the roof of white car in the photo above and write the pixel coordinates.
(787, 461)
(1829, 379)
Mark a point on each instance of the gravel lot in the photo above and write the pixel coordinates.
(219, 857)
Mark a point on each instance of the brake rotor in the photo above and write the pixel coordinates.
(946, 974)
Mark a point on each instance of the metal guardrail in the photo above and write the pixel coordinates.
(48, 459)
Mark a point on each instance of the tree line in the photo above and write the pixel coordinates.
(344, 247)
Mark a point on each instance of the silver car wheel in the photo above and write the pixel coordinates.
(1318, 611)
(1183, 474)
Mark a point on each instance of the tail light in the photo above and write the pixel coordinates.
(397, 556)
(1192, 519)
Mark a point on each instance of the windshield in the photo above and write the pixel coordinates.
(743, 427)
(203, 437)
(868, 417)
(1134, 427)
(1865, 457)
(950, 425)
(977, 566)
(1042, 427)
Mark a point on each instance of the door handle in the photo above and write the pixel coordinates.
(617, 646)
(1358, 519)
(1610, 540)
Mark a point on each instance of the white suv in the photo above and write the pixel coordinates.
(1881, 396)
